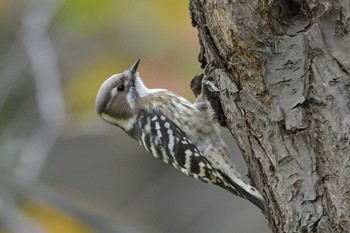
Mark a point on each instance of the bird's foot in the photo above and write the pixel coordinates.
(208, 84)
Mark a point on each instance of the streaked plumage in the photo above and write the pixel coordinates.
(175, 131)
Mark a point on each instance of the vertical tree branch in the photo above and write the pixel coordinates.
(42, 59)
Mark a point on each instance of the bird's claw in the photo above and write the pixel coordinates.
(209, 85)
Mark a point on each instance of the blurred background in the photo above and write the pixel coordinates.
(62, 169)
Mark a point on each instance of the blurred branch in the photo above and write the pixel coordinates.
(90, 214)
(43, 61)
(13, 220)
(11, 71)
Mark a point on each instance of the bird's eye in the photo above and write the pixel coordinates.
(121, 88)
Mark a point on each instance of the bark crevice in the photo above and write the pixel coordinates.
(285, 67)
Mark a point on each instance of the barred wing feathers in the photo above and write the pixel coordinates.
(166, 141)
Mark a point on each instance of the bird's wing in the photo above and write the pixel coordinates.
(158, 134)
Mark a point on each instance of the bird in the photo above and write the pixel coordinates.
(181, 134)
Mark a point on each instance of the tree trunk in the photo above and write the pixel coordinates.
(283, 68)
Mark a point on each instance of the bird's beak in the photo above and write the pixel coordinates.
(133, 68)
(132, 72)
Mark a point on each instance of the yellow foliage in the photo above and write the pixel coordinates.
(54, 220)
(80, 91)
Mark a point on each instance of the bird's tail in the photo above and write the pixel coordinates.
(252, 195)
(242, 189)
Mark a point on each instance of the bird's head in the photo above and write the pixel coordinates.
(117, 96)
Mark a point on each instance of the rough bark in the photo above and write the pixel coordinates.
(283, 67)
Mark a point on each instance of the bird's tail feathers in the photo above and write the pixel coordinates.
(241, 188)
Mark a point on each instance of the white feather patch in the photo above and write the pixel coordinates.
(188, 158)
(126, 124)
(171, 142)
(142, 90)
(130, 100)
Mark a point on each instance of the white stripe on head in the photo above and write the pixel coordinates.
(142, 90)
(131, 100)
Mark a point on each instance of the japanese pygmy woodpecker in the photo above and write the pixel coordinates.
(175, 131)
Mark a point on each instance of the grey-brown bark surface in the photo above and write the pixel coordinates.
(284, 70)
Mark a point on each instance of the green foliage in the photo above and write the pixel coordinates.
(88, 15)
(118, 32)
(95, 38)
